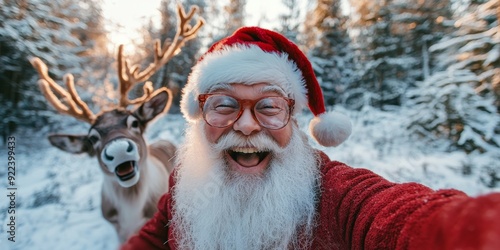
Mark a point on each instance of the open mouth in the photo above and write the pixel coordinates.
(247, 157)
(126, 170)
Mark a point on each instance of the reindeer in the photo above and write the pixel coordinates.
(135, 174)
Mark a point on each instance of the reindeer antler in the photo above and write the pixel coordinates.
(74, 105)
(130, 76)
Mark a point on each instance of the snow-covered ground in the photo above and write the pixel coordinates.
(58, 194)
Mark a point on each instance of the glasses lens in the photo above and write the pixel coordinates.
(221, 111)
(272, 112)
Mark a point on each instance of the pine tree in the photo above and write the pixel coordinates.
(378, 50)
(99, 60)
(174, 74)
(446, 106)
(235, 15)
(457, 102)
(391, 41)
(46, 29)
(330, 51)
(290, 20)
(476, 46)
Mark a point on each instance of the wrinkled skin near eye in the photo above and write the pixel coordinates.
(250, 159)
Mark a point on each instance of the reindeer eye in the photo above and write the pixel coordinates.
(132, 122)
(135, 124)
(93, 137)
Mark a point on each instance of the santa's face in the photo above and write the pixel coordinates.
(217, 206)
(249, 159)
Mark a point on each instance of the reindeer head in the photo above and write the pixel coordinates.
(116, 138)
(116, 135)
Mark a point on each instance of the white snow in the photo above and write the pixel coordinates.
(58, 194)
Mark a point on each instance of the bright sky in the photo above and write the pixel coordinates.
(127, 16)
(132, 14)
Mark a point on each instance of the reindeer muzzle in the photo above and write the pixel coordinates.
(126, 171)
(121, 157)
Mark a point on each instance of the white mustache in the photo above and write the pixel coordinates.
(259, 141)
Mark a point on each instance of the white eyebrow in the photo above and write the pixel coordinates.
(266, 89)
(272, 88)
(220, 86)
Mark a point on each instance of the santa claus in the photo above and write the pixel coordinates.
(247, 177)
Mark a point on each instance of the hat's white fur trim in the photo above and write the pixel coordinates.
(330, 129)
(243, 64)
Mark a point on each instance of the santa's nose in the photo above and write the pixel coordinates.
(247, 124)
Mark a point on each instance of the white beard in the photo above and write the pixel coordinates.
(215, 208)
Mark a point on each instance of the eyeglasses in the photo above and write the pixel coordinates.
(272, 112)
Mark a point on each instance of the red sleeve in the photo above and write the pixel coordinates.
(468, 223)
(365, 211)
(154, 234)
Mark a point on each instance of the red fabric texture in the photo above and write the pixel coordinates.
(155, 234)
(361, 210)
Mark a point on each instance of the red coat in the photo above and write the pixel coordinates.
(361, 210)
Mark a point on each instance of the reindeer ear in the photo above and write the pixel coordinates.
(75, 144)
(157, 104)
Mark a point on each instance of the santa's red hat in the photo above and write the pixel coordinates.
(253, 55)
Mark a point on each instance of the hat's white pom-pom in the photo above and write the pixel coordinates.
(330, 129)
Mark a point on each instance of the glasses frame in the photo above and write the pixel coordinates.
(202, 98)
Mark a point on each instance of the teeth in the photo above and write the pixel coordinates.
(246, 150)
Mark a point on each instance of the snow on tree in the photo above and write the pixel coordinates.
(290, 21)
(446, 114)
(446, 106)
(458, 102)
(330, 50)
(475, 45)
(52, 30)
(391, 39)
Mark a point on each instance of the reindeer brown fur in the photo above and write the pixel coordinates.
(135, 174)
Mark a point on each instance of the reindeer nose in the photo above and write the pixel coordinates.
(118, 151)
(109, 157)
(130, 147)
